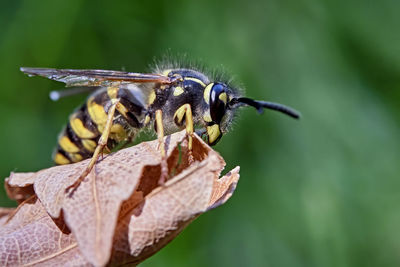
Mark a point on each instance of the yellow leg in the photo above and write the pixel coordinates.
(160, 135)
(160, 132)
(189, 131)
(185, 112)
(189, 125)
(100, 146)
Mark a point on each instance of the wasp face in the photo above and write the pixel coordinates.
(219, 109)
(222, 104)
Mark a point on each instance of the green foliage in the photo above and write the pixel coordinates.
(322, 191)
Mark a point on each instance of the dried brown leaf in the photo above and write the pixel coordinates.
(223, 188)
(4, 214)
(119, 211)
(32, 237)
(166, 211)
(19, 186)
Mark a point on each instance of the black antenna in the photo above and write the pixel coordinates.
(260, 105)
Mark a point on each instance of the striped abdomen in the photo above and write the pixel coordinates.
(79, 138)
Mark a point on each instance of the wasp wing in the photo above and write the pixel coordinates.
(72, 77)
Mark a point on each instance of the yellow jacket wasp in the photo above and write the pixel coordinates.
(123, 103)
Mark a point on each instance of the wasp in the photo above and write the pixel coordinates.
(123, 103)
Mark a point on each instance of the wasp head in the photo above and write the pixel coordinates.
(214, 104)
(219, 114)
(223, 102)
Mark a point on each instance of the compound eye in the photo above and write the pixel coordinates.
(218, 99)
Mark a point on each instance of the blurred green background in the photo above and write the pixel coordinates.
(323, 191)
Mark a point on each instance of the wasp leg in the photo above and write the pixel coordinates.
(160, 135)
(108, 151)
(189, 125)
(184, 114)
(99, 149)
(189, 130)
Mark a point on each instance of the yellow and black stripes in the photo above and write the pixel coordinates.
(82, 124)
(80, 137)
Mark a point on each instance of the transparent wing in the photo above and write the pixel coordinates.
(73, 77)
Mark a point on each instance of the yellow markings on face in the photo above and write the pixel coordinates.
(152, 97)
(146, 120)
(195, 80)
(213, 133)
(178, 91)
(223, 97)
(118, 132)
(112, 92)
(179, 114)
(207, 118)
(80, 130)
(89, 145)
(59, 159)
(75, 157)
(67, 145)
(97, 113)
(206, 93)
